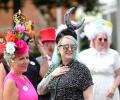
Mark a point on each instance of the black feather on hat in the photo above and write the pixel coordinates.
(70, 30)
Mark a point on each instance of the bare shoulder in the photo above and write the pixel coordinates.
(10, 90)
(10, 85)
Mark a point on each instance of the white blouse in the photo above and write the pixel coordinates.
(100, 62)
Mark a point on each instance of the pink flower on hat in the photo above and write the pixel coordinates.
(20, 29)
(16, 49)
(22, 47)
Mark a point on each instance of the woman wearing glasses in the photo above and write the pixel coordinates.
(102, 61)
(67, 79)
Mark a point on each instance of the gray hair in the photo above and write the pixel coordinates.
(56, 57)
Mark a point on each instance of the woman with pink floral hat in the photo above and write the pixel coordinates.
(16, 85)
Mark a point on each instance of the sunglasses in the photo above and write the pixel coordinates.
(67, 46)
(101, 39)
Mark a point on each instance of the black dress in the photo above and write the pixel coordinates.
(71, 85)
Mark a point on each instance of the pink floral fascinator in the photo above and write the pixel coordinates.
(16, 40)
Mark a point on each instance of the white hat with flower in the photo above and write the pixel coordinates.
(92, 29)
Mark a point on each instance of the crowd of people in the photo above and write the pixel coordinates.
(60, 72)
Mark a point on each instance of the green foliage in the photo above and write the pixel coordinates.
(52, 3)
(17, 4)
(36, 52)
(4, 4)
(84, 43)
(4, 1)
(90, 5)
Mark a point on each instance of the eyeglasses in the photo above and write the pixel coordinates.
(67, 46)
(101, 39)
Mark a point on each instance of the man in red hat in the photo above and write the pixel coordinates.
(46, 44)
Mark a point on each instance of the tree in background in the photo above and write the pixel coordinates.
(45, 6)
(17, 4)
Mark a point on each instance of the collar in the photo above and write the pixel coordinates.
(98, 52)
(61, 63)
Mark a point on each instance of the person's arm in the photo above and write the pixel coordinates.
(2, 76)
(10, 90)
(88, 93)
(44, 64)
(42, 88)
(115, 85)
(86, 84)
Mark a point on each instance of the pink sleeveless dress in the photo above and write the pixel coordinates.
(25, 87)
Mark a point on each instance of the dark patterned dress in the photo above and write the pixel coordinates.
(71, 85)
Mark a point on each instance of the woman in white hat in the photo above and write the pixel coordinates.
(103, 62)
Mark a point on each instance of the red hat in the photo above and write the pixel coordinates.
(48, 34)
